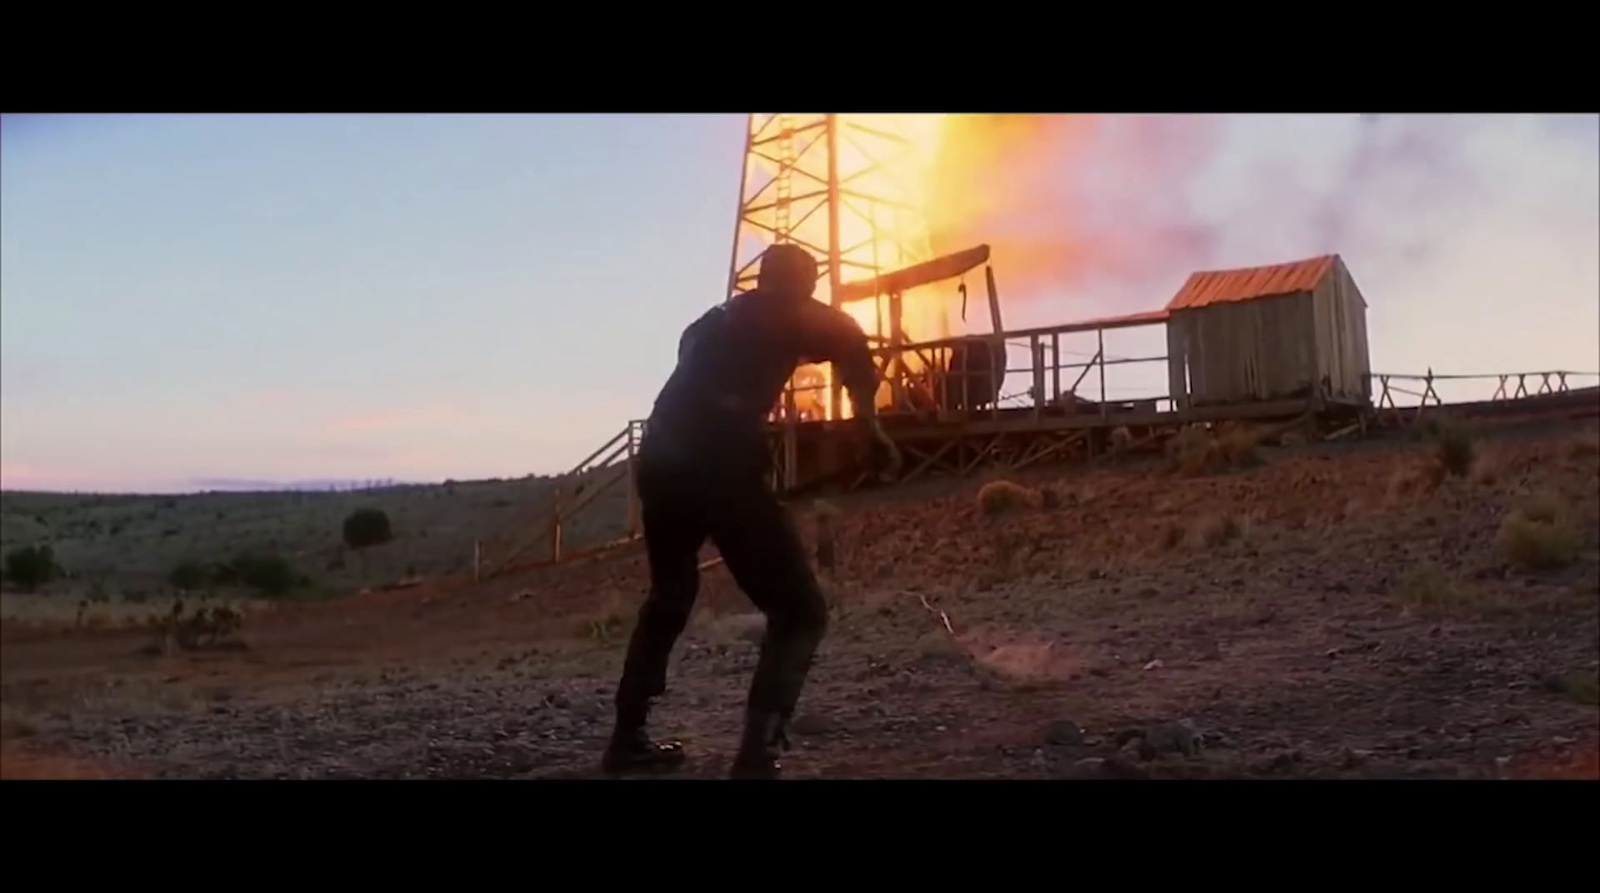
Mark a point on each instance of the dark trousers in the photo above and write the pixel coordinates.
(684, 503)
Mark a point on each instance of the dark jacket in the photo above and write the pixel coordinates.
(733, 363)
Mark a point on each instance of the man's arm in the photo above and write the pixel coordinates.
(834, 336)
(831, 335)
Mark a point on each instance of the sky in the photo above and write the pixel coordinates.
(188, 300)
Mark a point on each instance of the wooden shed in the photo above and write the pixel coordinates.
(1284, 332)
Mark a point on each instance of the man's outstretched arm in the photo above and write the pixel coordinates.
(833, 336)
(838, 338)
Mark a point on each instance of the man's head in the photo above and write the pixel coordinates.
(788, 270)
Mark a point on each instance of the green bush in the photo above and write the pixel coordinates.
(271, 574)
(31, 566)
(365, 528)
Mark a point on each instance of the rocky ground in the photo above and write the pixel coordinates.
(1336, 611)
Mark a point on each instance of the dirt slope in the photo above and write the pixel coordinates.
(1335, 612)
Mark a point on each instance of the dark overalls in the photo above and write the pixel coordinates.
(702, 475)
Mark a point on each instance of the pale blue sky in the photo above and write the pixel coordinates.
(421, 297)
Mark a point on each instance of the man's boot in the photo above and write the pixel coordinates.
(758, 752)
(633, 750)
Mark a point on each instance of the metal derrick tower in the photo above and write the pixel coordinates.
(837, 186)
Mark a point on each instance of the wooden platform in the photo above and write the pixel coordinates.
(824, 454)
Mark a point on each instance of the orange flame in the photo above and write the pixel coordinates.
(886, 171)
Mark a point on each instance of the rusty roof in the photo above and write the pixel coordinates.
(1251, 283)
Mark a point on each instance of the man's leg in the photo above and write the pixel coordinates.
(764, 553)
(673, 535)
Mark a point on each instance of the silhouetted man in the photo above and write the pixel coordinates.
(702, 474)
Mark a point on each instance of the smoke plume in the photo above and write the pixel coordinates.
(1069, 201)
(1453, 225)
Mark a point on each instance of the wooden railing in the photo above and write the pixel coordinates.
(1424, 389)
(976, 389)
(577, 490)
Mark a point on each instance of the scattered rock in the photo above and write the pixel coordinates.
(1154, 665)
(1139, 750)
(1066, 733)
(1181, 737)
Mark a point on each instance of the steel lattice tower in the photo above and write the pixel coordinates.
(834, 185)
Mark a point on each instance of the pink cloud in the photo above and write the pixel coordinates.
(34, 476)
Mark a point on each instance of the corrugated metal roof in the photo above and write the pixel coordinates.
(1251, 283)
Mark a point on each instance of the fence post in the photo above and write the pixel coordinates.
(1100, 337)
(633, 479)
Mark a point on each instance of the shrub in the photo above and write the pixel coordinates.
(32, 566)
(1539, 536)
(365, 528)
(1454, 449)
(270, 574)
(1001, 496)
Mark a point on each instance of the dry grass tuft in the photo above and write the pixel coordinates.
(997, 497)
(1429, 587)
(1539, 535)
(1415, 480)
(1453, 448)
(1491, 468)
(1194, 451)
(1218, 530)
(611, 622)
(1583, 687)
(1238, 445)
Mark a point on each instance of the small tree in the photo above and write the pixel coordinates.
(365, 528)
(271, 575)
(31, 566)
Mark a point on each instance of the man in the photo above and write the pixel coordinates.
(702, 474)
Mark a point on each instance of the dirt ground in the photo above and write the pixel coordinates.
(1337, 611)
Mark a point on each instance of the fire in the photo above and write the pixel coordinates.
(886, 168)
